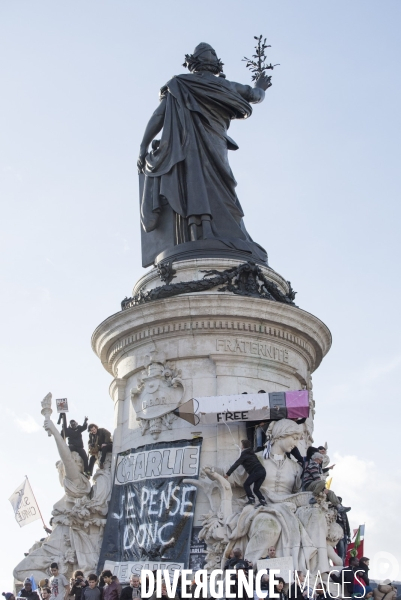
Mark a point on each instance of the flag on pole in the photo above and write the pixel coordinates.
(33, 582)
(357, 542)
(361, 531)
(328, 483)
(355, 549)
(24, 504)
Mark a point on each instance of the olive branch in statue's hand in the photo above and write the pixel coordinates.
(257, 64)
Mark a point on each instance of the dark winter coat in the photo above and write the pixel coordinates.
(128, 593)
(365, 574)
(102, 436)
(111, 591)
(74, 436)
(296, 592)
(76, 591)
(249, 461)
(28, 594)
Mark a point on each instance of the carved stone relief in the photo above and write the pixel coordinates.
(159, 391)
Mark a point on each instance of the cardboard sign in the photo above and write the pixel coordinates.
(284, 563)
(62, 405)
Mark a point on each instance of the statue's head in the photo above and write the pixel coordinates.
(204, 58)
(286, 434)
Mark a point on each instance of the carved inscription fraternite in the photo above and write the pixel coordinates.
(238, 346)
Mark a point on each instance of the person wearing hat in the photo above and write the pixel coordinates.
(8, 596)
(27, 591)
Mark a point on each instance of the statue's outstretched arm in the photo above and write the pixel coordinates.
(256, 93)
(155, 125)
(71, 468)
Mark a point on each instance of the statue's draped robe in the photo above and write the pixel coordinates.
(189, 170)
(303, 528)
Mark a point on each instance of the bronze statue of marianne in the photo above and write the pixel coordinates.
(189, 208)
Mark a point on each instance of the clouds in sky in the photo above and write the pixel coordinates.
(373, 492)
(25, 422)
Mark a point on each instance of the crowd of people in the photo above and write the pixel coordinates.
(353, 579)
(352, 583)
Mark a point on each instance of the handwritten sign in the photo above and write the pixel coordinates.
(284, 564)
(151, 509)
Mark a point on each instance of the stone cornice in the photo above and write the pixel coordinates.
(209, 312)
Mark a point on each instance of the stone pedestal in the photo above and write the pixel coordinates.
(204, 344)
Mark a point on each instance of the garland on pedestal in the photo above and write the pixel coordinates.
(246, 279)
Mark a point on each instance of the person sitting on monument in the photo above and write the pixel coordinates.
(323, 451)
(73, 433)
(254, 468)
(100, 442)
(312, 482)
(271, 553)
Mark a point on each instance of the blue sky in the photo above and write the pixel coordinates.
(318, 174)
